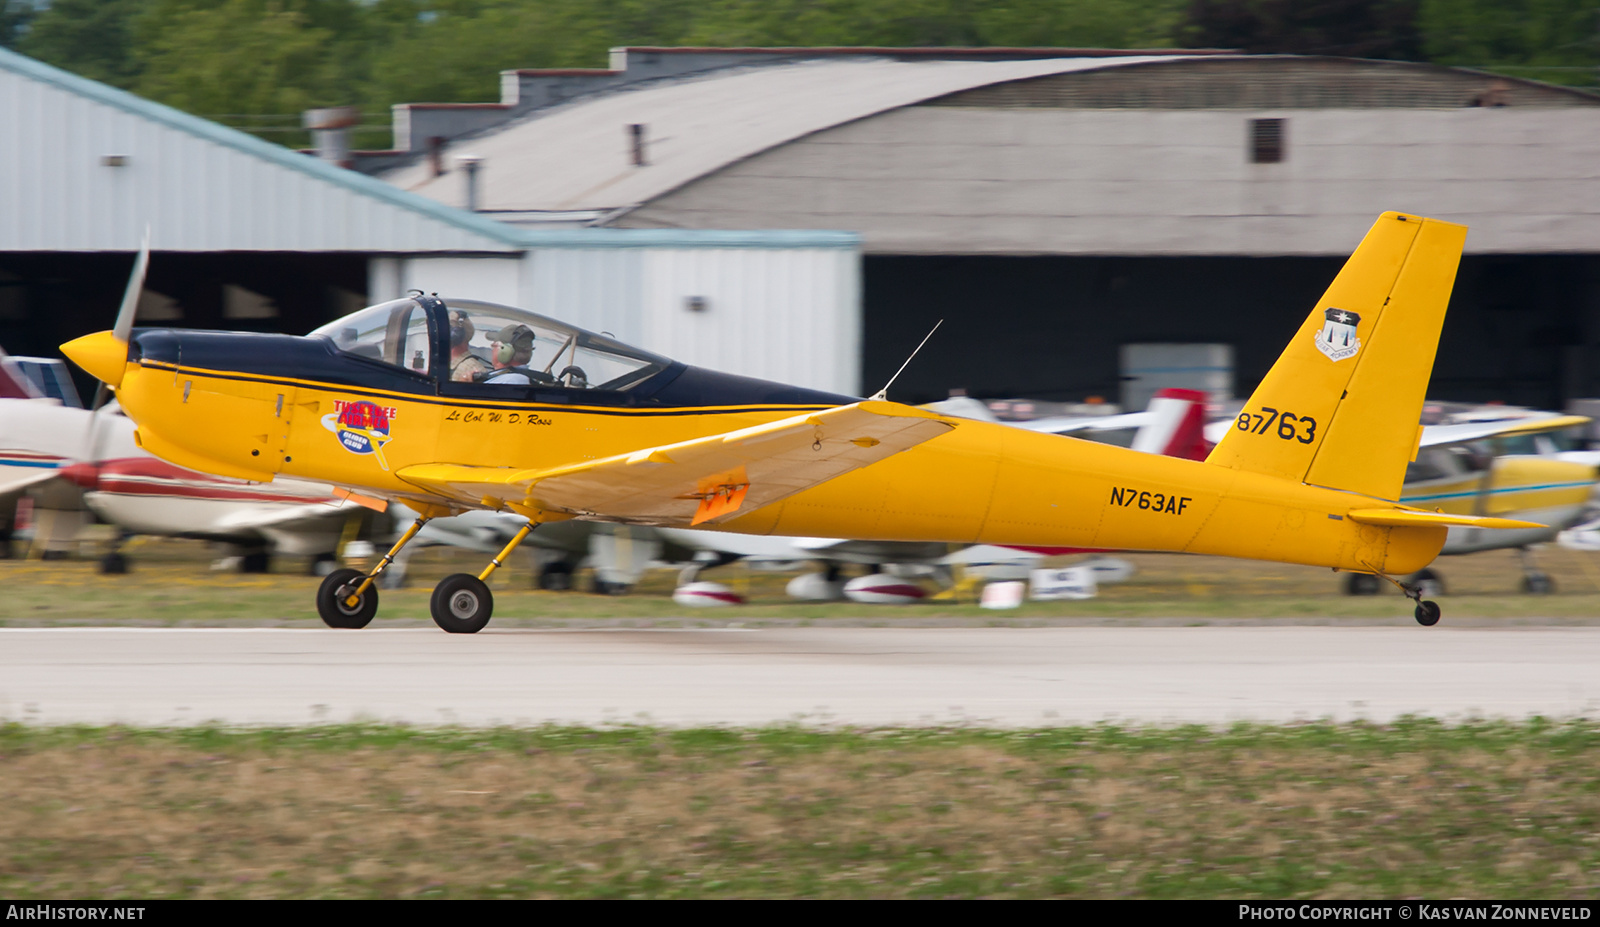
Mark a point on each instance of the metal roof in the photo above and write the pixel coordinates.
(203, 186)
(578, 156)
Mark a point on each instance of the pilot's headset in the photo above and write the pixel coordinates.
(512, 340)
(461, 330)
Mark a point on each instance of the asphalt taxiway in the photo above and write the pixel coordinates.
(858, 676)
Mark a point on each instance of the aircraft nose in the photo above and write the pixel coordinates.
(102, 354)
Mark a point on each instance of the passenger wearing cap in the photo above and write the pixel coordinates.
(465, 366)
(510, 351)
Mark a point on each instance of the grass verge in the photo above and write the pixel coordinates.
(1417, 808)
(171, 584)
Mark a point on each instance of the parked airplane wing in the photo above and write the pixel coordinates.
(20, 469)
(703, 480)
(1435, 435)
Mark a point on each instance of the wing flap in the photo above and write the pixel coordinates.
(704, 480)
(1401, 518)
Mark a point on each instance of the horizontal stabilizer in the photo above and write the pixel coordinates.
(704, 480)
(1403, 518)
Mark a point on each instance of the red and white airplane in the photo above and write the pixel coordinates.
(64, 459)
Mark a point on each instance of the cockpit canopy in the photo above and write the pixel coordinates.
(489, 344)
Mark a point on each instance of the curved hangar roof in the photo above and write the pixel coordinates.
(579, 157)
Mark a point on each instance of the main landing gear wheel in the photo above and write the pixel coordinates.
(462, 604)
(1538, 584)
(1427, 613)
(336, 612)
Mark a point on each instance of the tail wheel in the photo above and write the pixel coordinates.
(1427, 613)
(462, 604)
(333, 600)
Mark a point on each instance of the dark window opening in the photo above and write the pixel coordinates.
(1266, 141)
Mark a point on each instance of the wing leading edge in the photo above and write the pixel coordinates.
(705, 480)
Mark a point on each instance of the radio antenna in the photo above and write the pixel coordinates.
(883, 394)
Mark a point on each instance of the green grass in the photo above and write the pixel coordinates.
(1413, 809)
(172, 584)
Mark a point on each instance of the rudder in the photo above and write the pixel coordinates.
(1340, 408)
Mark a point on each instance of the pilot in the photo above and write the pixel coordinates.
(465, 366)
(510, 351)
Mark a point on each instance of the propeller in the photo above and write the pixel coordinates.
(121, 331)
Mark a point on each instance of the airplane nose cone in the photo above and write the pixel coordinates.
(102, 354)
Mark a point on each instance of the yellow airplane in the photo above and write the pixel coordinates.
(562, 423)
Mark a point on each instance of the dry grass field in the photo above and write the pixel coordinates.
(172, 583)
(1315, 811)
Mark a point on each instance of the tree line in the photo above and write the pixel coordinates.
(257, 64)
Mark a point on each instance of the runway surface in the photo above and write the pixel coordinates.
(868, 676)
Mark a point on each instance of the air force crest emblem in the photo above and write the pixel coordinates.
(1337, 339)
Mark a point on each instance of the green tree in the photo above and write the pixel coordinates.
(1352, 28)
(15, 18)
(1555, 40)
(237, 57)
(89, 37)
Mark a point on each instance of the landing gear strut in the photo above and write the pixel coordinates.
(1534, 580)
(1427, 612)
(348, 598)
(462, 603)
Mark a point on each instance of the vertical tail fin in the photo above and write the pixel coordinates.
(1341, 406)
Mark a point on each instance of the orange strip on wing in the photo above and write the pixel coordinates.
(723, 500)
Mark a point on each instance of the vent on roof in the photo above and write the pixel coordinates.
(636, 143)
(1266, 141)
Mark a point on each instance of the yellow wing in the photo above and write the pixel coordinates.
(693, 482)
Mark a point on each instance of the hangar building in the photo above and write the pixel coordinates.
(1054, 206)
(247, 235)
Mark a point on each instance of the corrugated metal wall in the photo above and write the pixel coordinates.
(601, 289)
(792, 315)
(198, 194)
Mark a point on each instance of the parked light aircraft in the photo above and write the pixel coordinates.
(1477, 467)
(1465, 468)
(571, 424)
(73, 458)
(69, 459)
